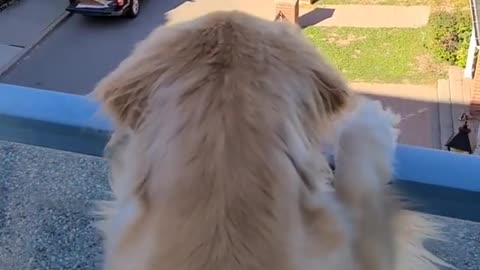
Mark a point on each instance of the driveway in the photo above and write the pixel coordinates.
(418, 107)
(82, 50)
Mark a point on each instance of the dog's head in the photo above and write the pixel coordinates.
(189, 55)
(266, 73)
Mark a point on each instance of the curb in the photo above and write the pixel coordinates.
(60, 19)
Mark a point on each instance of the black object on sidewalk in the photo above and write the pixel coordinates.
(5, 3)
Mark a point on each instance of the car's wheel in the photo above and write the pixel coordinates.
(134, 9)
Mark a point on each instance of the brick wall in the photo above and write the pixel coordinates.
(287, 10)
(475, 102)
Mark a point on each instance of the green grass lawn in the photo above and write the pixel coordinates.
(376, 54)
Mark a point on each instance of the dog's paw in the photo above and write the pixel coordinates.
(370, 127)
(366, 146)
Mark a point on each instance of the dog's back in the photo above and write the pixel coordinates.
(220, 111)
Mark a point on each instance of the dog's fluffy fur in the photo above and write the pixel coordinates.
(216, 162)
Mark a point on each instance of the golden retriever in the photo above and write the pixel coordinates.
(217, 162)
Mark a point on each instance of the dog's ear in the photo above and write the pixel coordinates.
(332, 92)
(125, 91)
(328, 98)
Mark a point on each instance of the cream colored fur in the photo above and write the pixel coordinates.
(216, 162)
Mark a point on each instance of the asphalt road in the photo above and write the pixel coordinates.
(75, 56)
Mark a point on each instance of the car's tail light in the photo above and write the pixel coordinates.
(120, 2)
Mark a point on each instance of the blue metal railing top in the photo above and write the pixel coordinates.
(51, 106)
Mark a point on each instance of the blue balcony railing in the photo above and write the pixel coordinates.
(440, 179)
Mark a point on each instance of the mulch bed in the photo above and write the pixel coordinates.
(5, 3)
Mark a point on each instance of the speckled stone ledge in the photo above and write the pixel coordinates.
(45, 208)
(46, 223)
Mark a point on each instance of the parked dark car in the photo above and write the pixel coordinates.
(127, 8)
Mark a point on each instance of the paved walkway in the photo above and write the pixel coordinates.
(193, 9)
(366, 16)
(417, 106)
(340, 15)
(425, 93)
(23, 23)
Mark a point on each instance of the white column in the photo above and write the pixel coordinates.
(470, 57)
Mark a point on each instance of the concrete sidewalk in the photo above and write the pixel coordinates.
(24, 24)
(335, 15)
(419, 92)
(193, 9)
(418, 107)
(365, 16)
